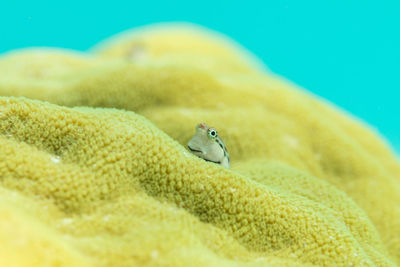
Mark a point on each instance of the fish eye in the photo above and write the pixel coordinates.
(212, 133)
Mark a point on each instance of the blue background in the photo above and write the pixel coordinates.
(346, 51)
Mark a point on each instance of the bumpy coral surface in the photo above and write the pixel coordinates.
(94, 169)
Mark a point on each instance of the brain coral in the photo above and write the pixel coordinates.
(94, 170)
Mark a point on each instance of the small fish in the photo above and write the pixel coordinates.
(207, 145)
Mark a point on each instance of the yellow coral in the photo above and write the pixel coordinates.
(106, 186)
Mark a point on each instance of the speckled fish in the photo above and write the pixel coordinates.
(207, 145)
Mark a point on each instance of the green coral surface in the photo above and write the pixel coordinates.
(94, 169)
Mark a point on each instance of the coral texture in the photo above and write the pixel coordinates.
(94, 169)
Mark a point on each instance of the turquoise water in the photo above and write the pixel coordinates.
(345, 51)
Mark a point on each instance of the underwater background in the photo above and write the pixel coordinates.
(344, 51)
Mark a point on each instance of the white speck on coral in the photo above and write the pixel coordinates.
(291, 141)
(186, 154)
(106, 218)
(67, 236)
(66, 220)
(331, 237)
(154, 254)
(185, 112)
(55, 159)
(221, 105)
(138, 53)
(21, 241)
(233, 189)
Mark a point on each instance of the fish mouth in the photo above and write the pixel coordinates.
(218, 162)
(201, 153)
(194, 150)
